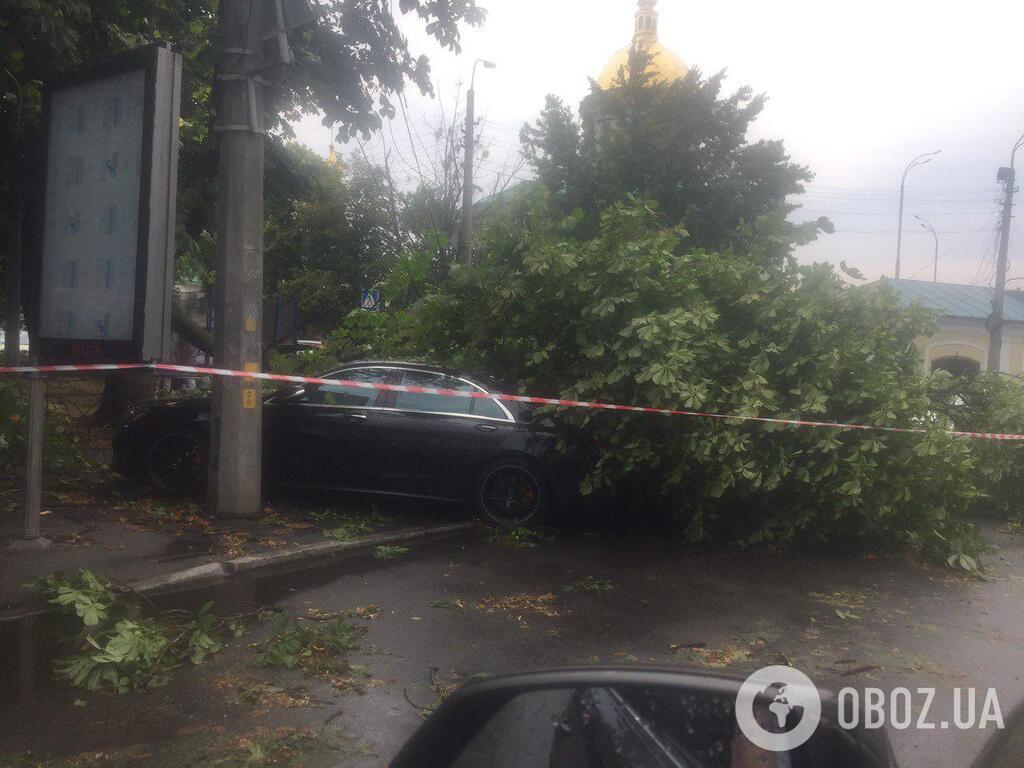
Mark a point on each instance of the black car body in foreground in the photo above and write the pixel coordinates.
(500, 457)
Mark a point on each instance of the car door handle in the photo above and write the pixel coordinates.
(355, 415)
(486, 427)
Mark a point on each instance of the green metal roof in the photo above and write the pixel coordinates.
(970, 301)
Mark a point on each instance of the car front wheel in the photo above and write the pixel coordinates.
(510, 493)
(176, 462)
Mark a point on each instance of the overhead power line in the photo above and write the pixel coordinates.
(887, 213)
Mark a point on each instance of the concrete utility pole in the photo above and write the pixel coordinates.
(995, 325)
(935, 264)
(466, 234)
(237, 414)
(919, 160)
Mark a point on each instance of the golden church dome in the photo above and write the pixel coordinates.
(666, 66)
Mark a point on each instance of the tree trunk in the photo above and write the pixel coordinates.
(123, 389)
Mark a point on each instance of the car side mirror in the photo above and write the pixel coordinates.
(633, 718)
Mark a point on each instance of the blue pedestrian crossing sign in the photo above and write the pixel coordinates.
(370, 300)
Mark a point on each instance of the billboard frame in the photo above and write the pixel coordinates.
(154, 267)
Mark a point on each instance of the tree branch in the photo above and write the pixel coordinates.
(190, 331)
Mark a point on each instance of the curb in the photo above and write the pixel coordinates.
(291, 560)
(300, 558)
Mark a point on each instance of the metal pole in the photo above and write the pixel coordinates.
(12, 325)
(466, 237)
(919, 160)
(237, 413)
(899, 226)
(31, 536)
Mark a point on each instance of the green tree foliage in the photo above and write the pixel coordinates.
(66, 459)
(118, 649)
(315, 647)
(639, 314)
(682, 144)
(329, 234)
(989, 402)
(349, 66)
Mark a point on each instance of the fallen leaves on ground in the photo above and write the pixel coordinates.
(848, 605)
(272, 543)
(232, 544)
(517, 606)
(451, 604)
(261, 694)
(357, 679)
(388, 552)
(717, 658)
(589, 584)
(368, 612)
(519, 536)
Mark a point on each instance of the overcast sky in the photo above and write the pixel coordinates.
(855, 90)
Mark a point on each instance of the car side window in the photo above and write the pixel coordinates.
(415, 401)
(426, 403)
(355, 397)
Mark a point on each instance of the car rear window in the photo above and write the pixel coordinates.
(488, 408)
(427, 403)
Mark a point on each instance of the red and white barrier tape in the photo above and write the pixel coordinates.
(197, 370)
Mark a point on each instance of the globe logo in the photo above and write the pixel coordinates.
(778, 708)
(780, 703)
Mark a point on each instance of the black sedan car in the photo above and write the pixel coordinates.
(500, 457)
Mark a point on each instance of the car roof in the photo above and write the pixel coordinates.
(491, 383)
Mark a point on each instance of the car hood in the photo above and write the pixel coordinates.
(181, 407)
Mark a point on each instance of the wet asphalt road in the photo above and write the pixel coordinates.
(904, 625)
(454, 609)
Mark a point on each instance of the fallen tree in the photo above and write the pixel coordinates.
(635, 315)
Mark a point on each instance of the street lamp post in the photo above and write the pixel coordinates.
(935, 266)
(466, 236)
(919, 160)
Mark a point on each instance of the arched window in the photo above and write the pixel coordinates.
(957, 365)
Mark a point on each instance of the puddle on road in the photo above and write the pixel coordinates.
(43, 713)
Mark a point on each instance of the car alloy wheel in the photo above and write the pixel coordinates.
(175, 462)
(510, 493)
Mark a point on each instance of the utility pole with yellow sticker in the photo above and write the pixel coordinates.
(237, 418)
(254, 35)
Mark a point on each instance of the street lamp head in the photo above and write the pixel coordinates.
(919, 160)
(1013, 153)
(487, 65)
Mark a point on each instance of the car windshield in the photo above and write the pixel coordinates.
(675, 337)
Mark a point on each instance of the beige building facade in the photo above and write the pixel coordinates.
(961, 343)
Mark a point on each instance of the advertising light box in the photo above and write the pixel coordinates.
(107, 225)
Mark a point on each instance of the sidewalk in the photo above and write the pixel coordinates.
(163, 544)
